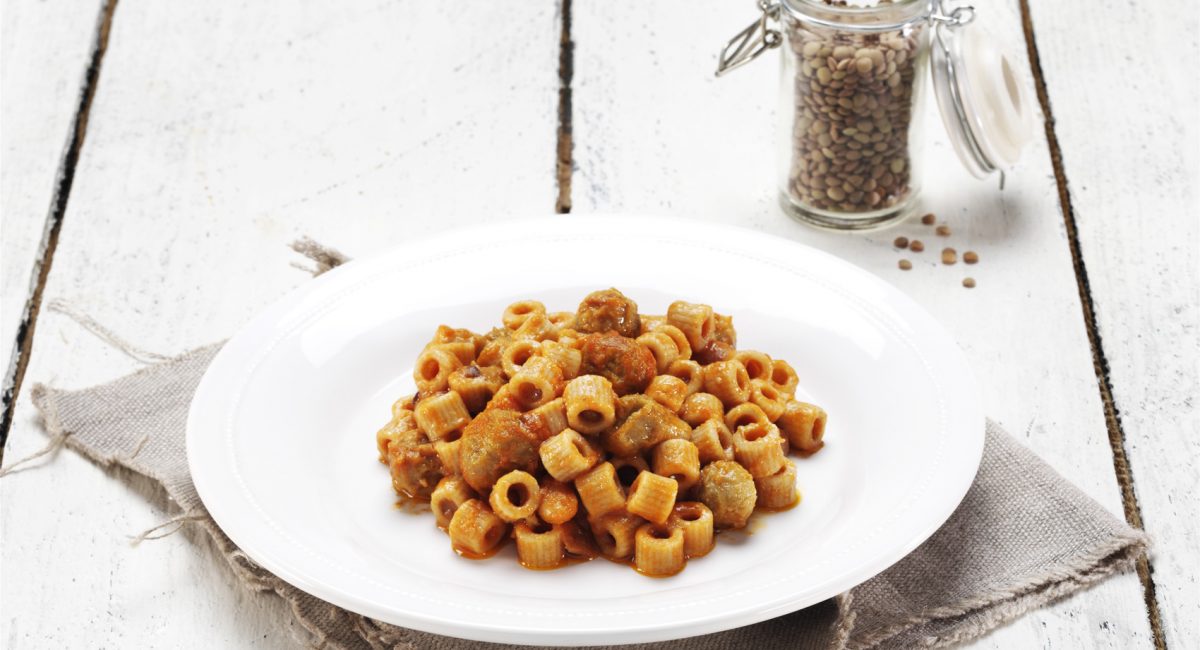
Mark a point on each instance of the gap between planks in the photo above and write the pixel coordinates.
(1112, 417)
(564, 161)
(65, 178)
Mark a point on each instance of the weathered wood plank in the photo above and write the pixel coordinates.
(45, 48)
(220, 132)
(1124, 92)
(654, 131)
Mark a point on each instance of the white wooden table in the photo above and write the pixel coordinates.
(160, 199)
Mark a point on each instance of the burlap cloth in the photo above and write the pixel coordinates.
(1022, 537)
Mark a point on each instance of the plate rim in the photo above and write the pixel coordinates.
(477, 630)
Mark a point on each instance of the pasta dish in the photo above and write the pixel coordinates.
(598, 432)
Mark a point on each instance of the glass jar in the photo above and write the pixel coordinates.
(853, 82)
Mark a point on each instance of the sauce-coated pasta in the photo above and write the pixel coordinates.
(602, 432)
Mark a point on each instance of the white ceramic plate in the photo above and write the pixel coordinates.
(281, 435)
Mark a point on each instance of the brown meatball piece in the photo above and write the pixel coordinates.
(644, 429)
(416, 470)
(629, 365)
(713, 352)
(493, 444)
(608, 311)
(728, 490)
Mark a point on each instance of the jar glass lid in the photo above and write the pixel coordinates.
(984, 103)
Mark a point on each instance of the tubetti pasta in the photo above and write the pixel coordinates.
(598, 433)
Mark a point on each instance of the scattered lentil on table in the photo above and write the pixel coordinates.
(969, 283)
(916, 246)
(949, 256)
(943, 230)
(970, 257)
(928, 219)
(901, 242)
(905, 265)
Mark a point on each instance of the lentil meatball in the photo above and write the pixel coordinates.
(713, 352)
(728, 490)
(629, 365)
(493, 444)
(608, 311)
(416, 470)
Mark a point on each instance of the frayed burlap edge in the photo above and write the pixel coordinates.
(1001, 604)
(245, 569)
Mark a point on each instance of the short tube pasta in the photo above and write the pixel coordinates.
(683, 347)
(668, 391)
(548, 419)
(728, 381)
(757, 448)
(744, 415)
(690, 373)
(652, 496)
(475, 530)
(628, 469)
(804, 426)
(463, 350)
(723, 330)
(432, 372)
(701, 407)
(694, 320)
(539, 546)
(476, 385)
(559, 503)
(577, 540)
(440, 415)
(651, 323)
(591, 404)
(599, 431)
(406, 403)
(402, 426)
(567, 359)
(447, 453)
(778, 491)
(695, 520)
(757, 364)
(765, 396)
(615, 534)
(515, 496)
(537, 327)
(677, 459)
(517, 313)
(713, 441)
(662, 347)
(538, 382)
(516, 354)
(450, 493)
(599, 490)
(563, 319)
(659, 550)
(566, 455)
(627, 405)
(784, 378)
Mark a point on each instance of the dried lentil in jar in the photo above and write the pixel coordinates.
(852, 98)
(853, 82)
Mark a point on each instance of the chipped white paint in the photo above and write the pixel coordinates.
(45, 48)
(220, 132)
(655, 130)
(1133, 168)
